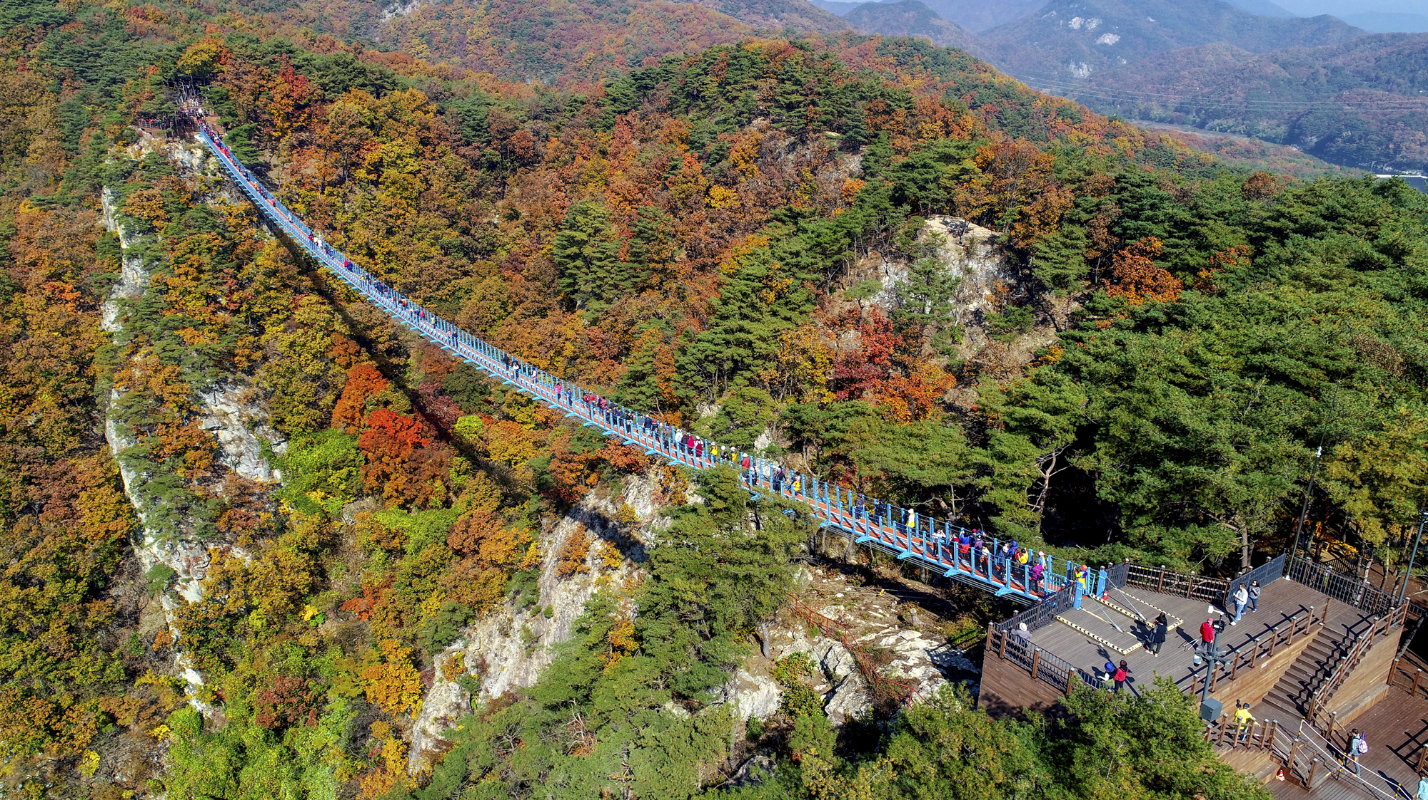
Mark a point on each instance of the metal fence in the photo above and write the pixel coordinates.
(1343, 587)
(1265, 573)
(1039, 615)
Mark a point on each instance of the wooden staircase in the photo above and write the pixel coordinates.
(1308, 672)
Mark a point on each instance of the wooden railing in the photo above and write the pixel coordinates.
(1196, 587)
(880, 685)
(1248, 655)
(1345, 666)
(1258, 735)
(1038, 663)
(1407, 676)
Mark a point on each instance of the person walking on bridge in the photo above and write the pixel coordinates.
(1207, 633)
(1241, 600)
(1078, 586)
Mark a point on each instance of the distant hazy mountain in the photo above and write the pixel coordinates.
(971, 15)
(909, 18)
(1262, 7)
(1389, 22)
(1363, 103)
(776, 15)
(835, 7)
(1080, 37)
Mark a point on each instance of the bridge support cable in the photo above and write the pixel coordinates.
(907, 535)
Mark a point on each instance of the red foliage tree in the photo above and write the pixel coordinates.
(363, 381)
(291, 701)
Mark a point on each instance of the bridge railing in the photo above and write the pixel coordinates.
(962, 553)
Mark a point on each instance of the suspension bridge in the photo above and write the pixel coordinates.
(955, 552)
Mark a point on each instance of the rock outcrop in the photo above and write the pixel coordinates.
(233, 413)
(512, 646)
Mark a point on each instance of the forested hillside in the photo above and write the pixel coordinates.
(746, 240)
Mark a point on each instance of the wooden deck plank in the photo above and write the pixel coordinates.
(1279, 601)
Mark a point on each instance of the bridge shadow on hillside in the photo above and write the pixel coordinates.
(391, 368)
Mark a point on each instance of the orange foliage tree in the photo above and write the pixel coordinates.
(1135, 276)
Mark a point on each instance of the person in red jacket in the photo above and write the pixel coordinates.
(1207, 633)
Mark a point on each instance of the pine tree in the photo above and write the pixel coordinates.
(586, 257)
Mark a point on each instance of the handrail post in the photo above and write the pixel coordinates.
(1070, 680)
(1313, 768)
(1035, 661)
(1417, 676)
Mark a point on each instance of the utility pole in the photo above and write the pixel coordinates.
(1422, 520)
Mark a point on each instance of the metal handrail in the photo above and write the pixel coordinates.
(1342, 587)
(1333, 758)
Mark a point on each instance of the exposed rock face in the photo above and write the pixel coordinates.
(239, 422)
(752, 696)
(515, 645)
(233, 413)
(923, 659)
(966, 251)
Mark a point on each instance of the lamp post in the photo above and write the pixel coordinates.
(1214, 656)
(1422, 520)
(1309, 493)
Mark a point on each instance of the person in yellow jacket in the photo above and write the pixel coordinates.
(1243, 719)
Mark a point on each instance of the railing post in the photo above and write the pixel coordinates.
(1333, 723)
(1002, 646)
(1293, 759)
(1422, 757)
(1035, 661)
(1070, 680)
(1313, 768)
(1417, 676)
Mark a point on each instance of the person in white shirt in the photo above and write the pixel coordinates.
(1241, 600)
